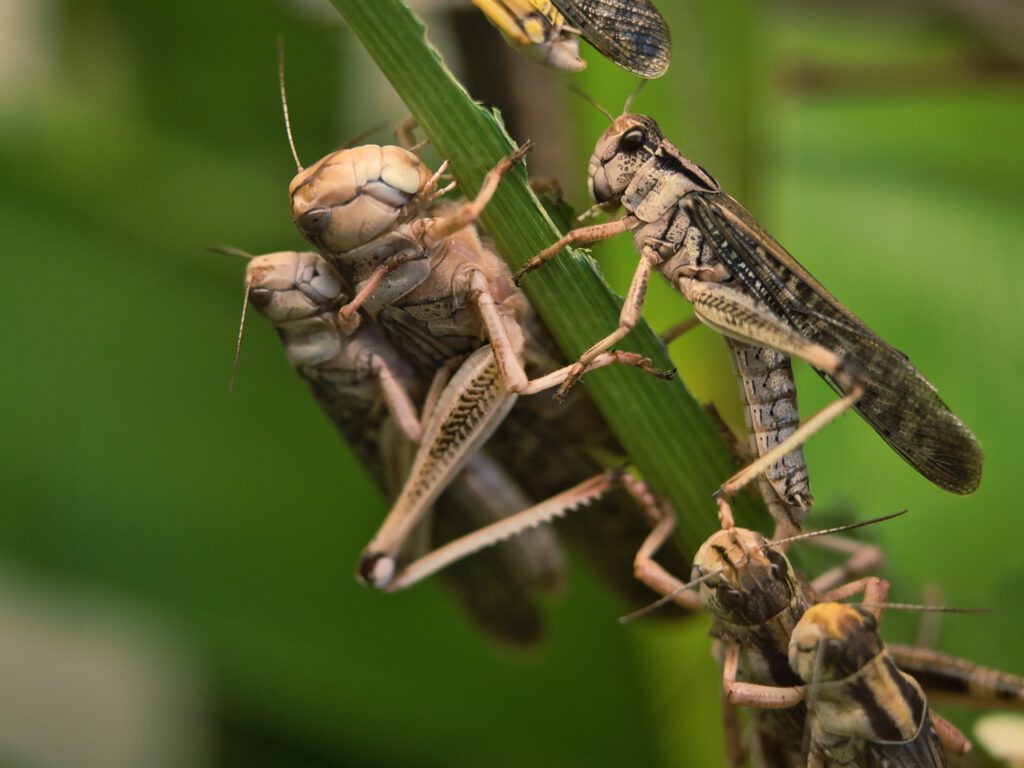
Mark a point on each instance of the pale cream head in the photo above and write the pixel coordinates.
(289, 285)
(354, 195)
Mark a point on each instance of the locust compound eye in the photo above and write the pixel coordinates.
(260, 297)
(778, 564)
(314, 221)
(632, 140)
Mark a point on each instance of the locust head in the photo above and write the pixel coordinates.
(634, 144)
(745, 581)
(833, 641)
(353, 196)
(289, 286)
(299, 293)
(628, 143)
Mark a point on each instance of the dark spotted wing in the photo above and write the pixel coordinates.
(632, 33)
(898, 402)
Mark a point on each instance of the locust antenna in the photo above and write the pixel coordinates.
(837, 529)
(230, 250)
(640, 613)
(923, 608)
(241, 332)
(632, 95)
(284, 101)
(590, 100)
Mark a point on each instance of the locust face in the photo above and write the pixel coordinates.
(294, 290)
(833, 641)
(752, 582)
(354, 195)
(630, 141)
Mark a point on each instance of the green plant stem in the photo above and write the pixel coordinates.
(667, 434)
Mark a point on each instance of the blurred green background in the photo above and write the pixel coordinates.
(176, 579)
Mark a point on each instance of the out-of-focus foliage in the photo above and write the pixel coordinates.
(132, 135)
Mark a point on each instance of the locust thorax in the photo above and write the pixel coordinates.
(833, 641)
(355, 195)
(299, 293)
(751, 582)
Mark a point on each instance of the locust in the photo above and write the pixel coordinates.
(373, 396)
(447, 302)
(863, 710)
(757, 603)
(630, 33)
(743, 284)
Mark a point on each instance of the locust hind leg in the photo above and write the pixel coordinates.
(953, 740)
(468, 410)
(738, 316)
(557, 506)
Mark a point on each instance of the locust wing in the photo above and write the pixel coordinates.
(898, 402)
(923, 751)
(632, 33)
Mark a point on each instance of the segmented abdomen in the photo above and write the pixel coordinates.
(769, 404)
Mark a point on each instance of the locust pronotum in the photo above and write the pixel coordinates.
(631, 33)
(373, 397)
(421, 272)
(746, 286)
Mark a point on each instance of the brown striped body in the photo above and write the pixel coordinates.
(863, 710)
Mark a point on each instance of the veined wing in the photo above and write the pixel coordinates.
(898, 402)
(632, 33)
(923, 751)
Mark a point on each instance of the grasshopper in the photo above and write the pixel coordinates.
(757, 603)
(536, 28)
(421, 272)
(747, 287)
(756, 600)
(863, 710)
(372, 395)
(631, 33)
